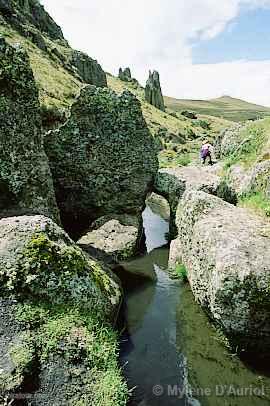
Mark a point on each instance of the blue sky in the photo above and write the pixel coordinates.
(246, 37)
(202, 48)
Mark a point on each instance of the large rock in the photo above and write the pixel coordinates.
(153, 93)
(226, 251)
(38, 259)
(103, 159)
(25, 179)
(88, 69)
(117, 236)
(56, 307)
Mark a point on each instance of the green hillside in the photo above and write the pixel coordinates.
(225, 107)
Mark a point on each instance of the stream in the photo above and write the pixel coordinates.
(170, 352)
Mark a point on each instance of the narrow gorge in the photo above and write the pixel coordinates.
(130, 274)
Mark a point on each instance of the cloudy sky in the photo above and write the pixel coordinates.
(202, 48)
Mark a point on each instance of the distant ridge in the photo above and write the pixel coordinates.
(225, 106)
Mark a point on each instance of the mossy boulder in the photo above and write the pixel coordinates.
(226, 251)
(103, 160)
(25, 179)
(57, 307)
(39, 260)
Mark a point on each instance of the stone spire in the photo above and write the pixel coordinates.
(153, 93)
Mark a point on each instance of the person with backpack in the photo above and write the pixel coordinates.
(206, 152)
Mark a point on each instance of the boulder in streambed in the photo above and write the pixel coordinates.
(117, 236)
(103, 159)
(226, 251)
(26, 185)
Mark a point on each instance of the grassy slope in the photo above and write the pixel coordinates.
(226, 107)
(255, 149)
(57, 87)
(173, 153)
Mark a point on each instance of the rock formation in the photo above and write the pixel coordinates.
(88, 69)
(153, 93)
(103, 160)
(21, 13)
(125, 74)
(25, 179)
(226, 251)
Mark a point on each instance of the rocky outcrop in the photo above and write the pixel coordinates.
(25, 179)
(226, 251)
(125, 74)
(24, 12)
(153, 93)
(118, 237)
(103, 159)
(88, 69)
(55, 302)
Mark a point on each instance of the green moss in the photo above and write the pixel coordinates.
(180, 272)
(39, 261)
(22, 356)
(81, 338)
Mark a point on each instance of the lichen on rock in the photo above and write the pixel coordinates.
(25, 179)
(226, 251)
(103, 160)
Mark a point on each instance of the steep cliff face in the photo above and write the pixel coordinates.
(25, 179)
(103, 160)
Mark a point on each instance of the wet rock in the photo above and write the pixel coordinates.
(118, 237)
(226, 251)
(25, 179)
(88, 69)
(103, 159)
(175, 256)
(153, 93)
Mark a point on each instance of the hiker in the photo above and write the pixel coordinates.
(206, 152)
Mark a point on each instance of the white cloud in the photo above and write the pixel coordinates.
(157, 34)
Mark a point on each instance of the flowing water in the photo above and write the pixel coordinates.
(170, 352)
